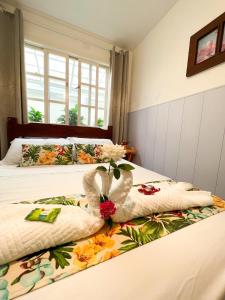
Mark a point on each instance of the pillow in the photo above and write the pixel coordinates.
(86, 141)
(36, 155)
(89, 154)
(14, 154)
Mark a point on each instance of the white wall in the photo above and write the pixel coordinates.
(52, 33)
(160, 61)
(46, 31)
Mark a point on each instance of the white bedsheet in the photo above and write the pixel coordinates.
(186, 265)
(30, 183)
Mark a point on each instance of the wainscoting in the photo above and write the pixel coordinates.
(184, 139)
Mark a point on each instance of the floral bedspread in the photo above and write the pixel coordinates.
(47, 266)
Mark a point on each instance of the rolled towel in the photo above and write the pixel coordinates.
(139, 205)
(20, 237)
(172, 185)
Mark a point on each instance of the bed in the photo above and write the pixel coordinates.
(187, 264)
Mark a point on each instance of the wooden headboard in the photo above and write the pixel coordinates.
(14, 130)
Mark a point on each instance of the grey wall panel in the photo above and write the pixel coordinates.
(220, 187)
(173, 137)
(136, 134)
(189, 137)
(184, 139)
(150, 136)
(160, 140)
(210, 139)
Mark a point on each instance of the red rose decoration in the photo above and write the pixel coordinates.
(148, 190)
(107, 209)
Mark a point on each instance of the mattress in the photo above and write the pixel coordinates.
(188, 264)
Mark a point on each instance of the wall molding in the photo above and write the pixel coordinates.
(173, 100)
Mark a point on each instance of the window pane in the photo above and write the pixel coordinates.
(85, 72)
(57, 66)
(92, 117)
(73, 115)
(93, 96)
(35, 86)
(57, 113)
(102, 77)
(73, 107)
(93, 75)
(35, 111)
(34, 60)
(101, 98)
(84, 115)
(101, 115)
(73, 73)
(84, 95)
(73, 95)
(57, 90)
(73, 91)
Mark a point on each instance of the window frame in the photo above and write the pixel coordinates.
(46, 76)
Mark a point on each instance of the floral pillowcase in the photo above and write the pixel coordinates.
(36, 155)
(90, 154)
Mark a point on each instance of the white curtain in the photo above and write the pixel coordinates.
(119, 64)
(12, 73)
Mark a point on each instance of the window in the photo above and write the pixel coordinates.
(65, 90)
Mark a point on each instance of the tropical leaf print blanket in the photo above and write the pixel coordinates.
(47, 266)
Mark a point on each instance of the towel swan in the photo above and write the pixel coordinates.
(130, 203)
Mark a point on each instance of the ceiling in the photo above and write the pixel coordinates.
(124, 22)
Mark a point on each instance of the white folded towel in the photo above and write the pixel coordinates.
(130, 203)
(140, 205)
(20, 237)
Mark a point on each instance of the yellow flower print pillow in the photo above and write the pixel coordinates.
(37, 155)
(89, 154)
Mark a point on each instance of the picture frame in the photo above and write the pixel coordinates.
(207, 47)
(223, 40)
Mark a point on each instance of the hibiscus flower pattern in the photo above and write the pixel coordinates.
(36, 155)
(89, 154)
(50, 265)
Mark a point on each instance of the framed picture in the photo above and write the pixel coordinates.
(223, 41)
(207, 47)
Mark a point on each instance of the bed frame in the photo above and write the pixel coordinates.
(15, 130)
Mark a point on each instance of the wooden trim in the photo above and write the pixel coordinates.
(219, 57)
(15, 130)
